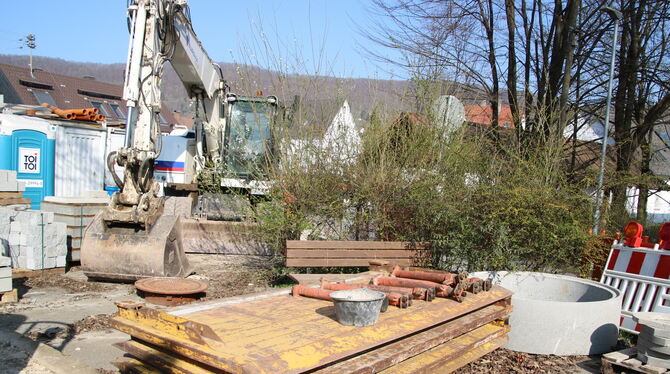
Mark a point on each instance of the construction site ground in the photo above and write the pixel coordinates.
(61, 321)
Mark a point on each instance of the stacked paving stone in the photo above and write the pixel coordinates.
(11, 190)
(35, 241)
(653, 343)
(76, 213)
(5, 274)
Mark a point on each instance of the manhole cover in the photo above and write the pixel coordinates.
(170, 291)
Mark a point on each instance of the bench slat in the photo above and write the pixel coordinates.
(343, 244)
(326, 262)
(355, 253)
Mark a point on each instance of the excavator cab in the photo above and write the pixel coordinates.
(248, 144)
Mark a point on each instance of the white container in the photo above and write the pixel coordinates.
(80, 154)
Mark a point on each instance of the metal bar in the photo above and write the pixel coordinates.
(603, 150)
(622, 275)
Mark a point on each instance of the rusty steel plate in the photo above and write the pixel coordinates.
(170, 291)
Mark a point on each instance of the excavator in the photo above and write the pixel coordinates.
(132, 238)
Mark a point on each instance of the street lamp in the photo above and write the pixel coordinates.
(616, 16)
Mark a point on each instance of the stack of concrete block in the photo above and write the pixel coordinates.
(76, 213)
(35, 241)
(5, 274)
(11, 190)
(653, 343)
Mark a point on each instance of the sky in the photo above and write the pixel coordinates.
(297, 36)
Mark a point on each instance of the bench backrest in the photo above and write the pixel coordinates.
(327, 253)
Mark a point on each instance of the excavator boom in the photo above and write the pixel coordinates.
(132, 238)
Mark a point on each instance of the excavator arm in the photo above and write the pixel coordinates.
(131, 238)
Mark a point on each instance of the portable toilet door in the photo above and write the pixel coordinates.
(27, 146)
(33, 160)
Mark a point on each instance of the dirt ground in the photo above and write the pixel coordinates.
(503, 361)
(70, 314)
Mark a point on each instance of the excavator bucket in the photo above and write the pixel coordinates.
(129, 253)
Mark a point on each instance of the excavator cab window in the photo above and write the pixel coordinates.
(249, 137)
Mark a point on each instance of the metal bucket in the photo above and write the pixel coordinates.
(359, 307)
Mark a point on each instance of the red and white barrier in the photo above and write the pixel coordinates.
(643, 277)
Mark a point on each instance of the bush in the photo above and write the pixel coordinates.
(511, 210)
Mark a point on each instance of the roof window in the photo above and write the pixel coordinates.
(43, 97)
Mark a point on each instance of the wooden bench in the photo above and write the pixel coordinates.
(327, 253)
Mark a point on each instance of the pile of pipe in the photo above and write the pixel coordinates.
(403, 286)
(86, 114)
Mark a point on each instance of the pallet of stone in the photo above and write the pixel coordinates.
(627, 359)
(76, 213)
(5, 274)
(9, 183)
(32, 239)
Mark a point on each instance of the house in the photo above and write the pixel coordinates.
(483, 115)
(19, 86)
(588, 139)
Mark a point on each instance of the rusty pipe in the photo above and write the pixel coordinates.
(394, 298)
(406, 297)
(416, 283)
(417, 293)
(409, 283)
(459, 276)
(314, 293)
(436, 276)
(432, 277)
(339, 286)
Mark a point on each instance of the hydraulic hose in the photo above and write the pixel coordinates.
(110, 166)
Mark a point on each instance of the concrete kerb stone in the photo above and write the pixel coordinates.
(46, 356)
(665, 342)
(657, 333)
(655, 320)
(661, 361)
(647, 346)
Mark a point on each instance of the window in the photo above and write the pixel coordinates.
(102, 109)
(44, 97)
(118, 112)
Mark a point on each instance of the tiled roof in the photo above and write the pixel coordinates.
(183, 119)
(483, 115)
(19, 87)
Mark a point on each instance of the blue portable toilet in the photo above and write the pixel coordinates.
(27, 145)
